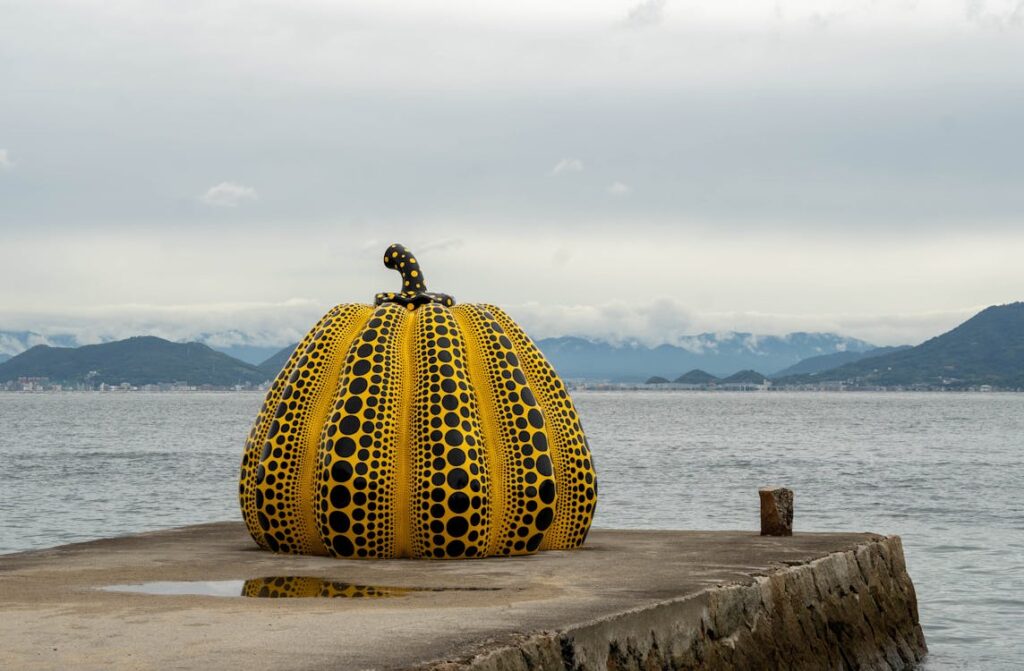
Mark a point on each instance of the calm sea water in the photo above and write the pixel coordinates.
(944, 471)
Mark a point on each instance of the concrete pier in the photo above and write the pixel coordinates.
(627, 600)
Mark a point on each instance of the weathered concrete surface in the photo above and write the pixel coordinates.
(627, 600)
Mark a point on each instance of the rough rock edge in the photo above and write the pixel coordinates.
(854, 609)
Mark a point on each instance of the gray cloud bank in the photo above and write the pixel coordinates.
(122, 112)
(803, 160)
(662, 321)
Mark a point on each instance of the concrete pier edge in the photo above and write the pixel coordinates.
(855, 609)
(628, 600)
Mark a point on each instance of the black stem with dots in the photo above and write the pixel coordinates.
(414, 286)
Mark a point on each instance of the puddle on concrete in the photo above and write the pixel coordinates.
(280, 587)
(204, 588)
(299, 587)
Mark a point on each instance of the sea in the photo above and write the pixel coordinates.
(945, 471)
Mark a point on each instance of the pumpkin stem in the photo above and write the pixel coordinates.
(414, 285)
(398, 257)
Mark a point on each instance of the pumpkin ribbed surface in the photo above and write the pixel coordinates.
(417, 428)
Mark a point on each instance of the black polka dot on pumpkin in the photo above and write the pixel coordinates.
(457, 526)
(458, 502)
(458, 478)
(338, 522)
(341, 471)
(340, 496)
(343, 546)
(345, 447)
(547, 492)
(349, 425)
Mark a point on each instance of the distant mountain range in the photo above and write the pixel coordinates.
(704, 379)
(987, 349)
(138, 361)
(718, 354)
(722, 354)
(244, 347)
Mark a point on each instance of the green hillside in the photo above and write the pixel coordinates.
(137, 361)
(823, 362)
(745, 377)
(987, 349)
(273, 365)
(696, 376)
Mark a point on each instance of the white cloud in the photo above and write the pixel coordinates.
(266, 324)
(5, 160)
(653, 322)
(228, 194)
(619, 189)
(599, 283)
(1004, 13)
(566, 165)
(668, 321)
(660, 320)
(647, 13)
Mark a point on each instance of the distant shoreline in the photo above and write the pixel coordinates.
(116, 392)
(597, 388)
(777, 389)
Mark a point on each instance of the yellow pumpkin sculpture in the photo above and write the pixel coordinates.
(417, 428)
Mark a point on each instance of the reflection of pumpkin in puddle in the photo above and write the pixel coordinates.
(308, 586)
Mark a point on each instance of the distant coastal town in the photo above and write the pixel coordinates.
(769, 386)
(45, 385)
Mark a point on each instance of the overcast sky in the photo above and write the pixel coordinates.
(600, 168)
